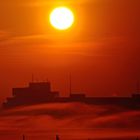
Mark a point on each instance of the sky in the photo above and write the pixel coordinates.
(101, 50)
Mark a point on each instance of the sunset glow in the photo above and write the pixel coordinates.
(61, 18)
(70, 69)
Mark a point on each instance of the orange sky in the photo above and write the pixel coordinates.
(101, 50)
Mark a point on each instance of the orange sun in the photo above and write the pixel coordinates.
(61, 18)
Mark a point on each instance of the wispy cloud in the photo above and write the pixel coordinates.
(4, 35)
(43, 2)
(67, 118)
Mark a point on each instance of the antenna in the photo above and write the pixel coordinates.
(57, 137)
(70, 84)
(138, 86)
(47, 80)
(23, 137)
(32, 78)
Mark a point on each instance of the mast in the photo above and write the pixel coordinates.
(57, 137)
(23, 137)
(70, 84)
(138, 87)
(32, 78)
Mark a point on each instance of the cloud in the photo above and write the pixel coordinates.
(4, 35)
(90, 116)
(71, 119)
(42, 3)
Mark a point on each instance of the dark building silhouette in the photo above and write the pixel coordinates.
(34, 94)
(40, 92)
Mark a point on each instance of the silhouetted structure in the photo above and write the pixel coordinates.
(57, 137)
(23, 137)
(36, 93)
(40, 92)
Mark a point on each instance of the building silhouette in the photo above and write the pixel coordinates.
(33, 94)
(40, 92)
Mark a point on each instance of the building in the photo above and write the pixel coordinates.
(40, 92)
(33, 94)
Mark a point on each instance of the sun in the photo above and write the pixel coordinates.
(62, 18)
